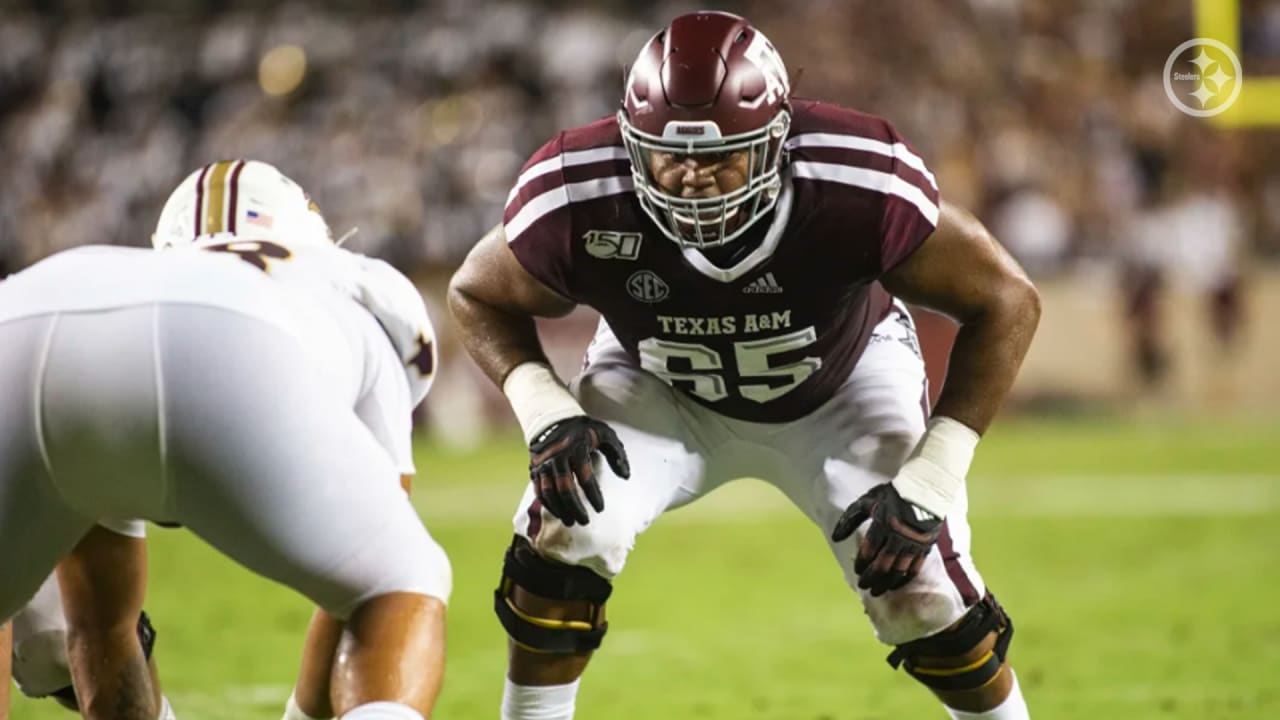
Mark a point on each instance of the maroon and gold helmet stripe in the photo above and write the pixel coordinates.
(199, 201)
(235, 192)
(216, 197)
(217, 202)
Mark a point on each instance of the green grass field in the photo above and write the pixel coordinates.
(1141, 566)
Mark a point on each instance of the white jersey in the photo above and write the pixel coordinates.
(361, 320)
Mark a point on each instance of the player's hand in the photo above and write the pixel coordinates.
(564, 451)
(897, 543)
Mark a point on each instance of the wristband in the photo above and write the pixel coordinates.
(933, 476)
(538, 398)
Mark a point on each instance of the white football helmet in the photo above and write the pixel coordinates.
(240, 200)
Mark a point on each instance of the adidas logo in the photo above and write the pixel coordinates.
(923, 515)
(765, 285)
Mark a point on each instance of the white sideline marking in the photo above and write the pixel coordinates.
(1102, 495)
(1034, 496)
(229, 701)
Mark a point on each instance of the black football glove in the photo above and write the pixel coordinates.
(564, 450)
(897, 543)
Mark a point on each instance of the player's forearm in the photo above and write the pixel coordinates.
(989, 349)
(507, 348)
(987, 354)
(498, 341)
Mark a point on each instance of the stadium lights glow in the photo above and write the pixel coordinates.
(282, 69)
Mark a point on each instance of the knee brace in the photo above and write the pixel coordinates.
(962, 639)
(523, 568)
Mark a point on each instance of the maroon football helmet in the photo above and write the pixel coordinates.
(709, 83)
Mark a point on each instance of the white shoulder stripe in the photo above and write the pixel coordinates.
(568, 159)
(558, 197)
(897, 151)
(881, 182)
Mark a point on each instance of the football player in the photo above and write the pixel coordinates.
(396, 304)
(254, 387)
(749, 253)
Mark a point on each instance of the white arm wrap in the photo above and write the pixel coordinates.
(933, 477)
(538, 398)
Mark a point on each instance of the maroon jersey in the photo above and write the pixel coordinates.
(767, 335)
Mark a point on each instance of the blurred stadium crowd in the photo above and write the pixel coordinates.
(411, 120)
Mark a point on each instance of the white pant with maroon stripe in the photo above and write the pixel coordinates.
(680, 450)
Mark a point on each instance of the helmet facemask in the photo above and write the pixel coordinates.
(714, 221)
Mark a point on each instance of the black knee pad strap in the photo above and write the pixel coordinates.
(981, 620)
(67, 698)
(146, 634)
(555, 581)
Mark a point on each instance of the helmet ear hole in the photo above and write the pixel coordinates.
(742, 37)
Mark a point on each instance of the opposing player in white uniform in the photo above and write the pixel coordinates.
(252, 387)
(398, 307)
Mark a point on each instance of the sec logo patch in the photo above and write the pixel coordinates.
(647, 287)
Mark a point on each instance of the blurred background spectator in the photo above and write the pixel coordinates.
(410, 120)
